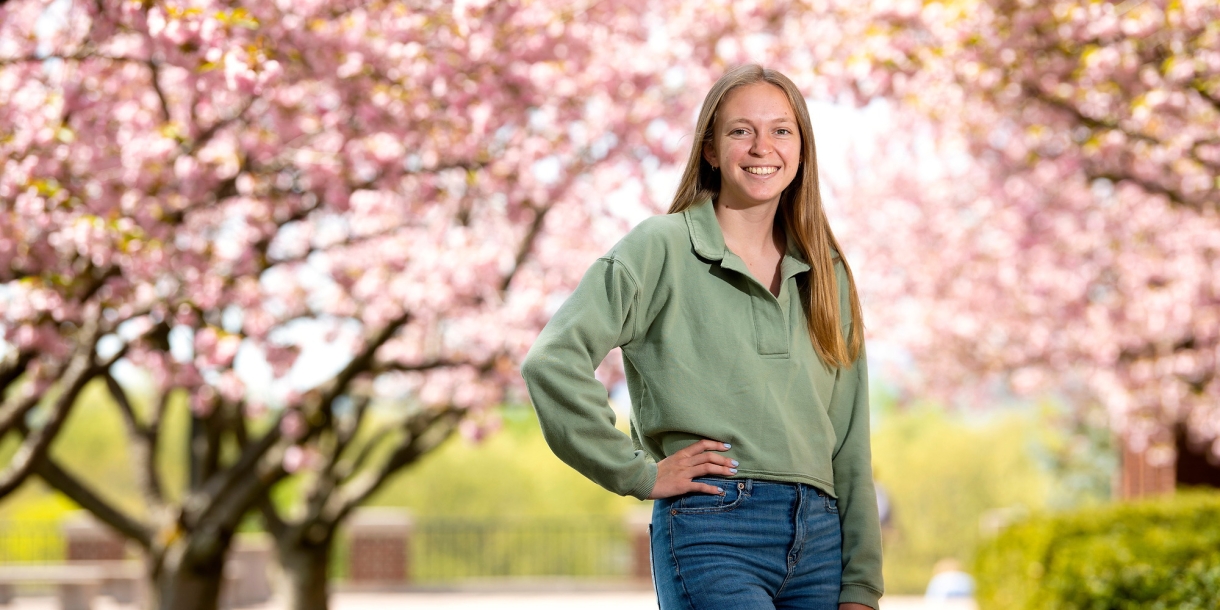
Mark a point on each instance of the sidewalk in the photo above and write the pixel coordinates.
(563, 600)
(635, 600)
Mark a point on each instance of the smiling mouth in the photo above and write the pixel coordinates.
(761, 171)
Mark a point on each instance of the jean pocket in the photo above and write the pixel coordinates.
(832, 504)
(735, 493)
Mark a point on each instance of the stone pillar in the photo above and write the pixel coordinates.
(87, 539)
(246, 580)
(1147, 472)
(77, 595)
(638, 523)
(379, 544)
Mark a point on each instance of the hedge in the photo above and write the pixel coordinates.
(1150, 555)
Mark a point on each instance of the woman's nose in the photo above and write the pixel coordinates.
(761, 146)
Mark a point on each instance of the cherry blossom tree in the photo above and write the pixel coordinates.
(1040, 209)
(1055, 221)
(189, 188)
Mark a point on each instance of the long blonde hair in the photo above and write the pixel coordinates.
(800, 207)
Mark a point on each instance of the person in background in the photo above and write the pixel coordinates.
(743, 349)
(949, 582)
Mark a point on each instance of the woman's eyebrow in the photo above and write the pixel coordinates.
(750, 122)
(782, 119)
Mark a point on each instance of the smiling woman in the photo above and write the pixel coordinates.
(756, 146)
(741, 337)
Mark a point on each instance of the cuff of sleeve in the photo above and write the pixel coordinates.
(644, 487)
(859, 594)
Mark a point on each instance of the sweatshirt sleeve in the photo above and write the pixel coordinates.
(857, 499)
(853, 475)
(572, 405)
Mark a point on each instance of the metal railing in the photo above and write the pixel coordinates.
(453, 549)
(31, 541)
(441, 550)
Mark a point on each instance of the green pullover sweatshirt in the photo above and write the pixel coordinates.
(709, 353)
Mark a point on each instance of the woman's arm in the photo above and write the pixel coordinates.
(857, 499)
(571, 403)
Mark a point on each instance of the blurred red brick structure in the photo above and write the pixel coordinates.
(1159, 470)
(378, 544)
(86, 539)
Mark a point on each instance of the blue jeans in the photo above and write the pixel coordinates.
(762, 544)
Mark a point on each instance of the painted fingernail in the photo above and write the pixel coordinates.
(735, 463)
(733, 470)
(727, 446)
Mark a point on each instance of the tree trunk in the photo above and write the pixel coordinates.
(189, 574)
(304, 564)
(188, 587)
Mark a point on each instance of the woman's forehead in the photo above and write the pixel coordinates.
(756, 102)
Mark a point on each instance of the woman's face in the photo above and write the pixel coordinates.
(756, 144)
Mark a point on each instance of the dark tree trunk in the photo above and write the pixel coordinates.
(189, 574)
(188, 587)
(304, 561)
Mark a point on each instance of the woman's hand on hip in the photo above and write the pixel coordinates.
(675, 472)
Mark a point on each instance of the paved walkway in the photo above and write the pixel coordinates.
(557, 601)
(630, 600)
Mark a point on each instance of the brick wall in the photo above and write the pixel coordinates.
(378, 547)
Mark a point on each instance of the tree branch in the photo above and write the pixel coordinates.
(429, 365)
(207, 504)
(1151, 351)
(14, 410)
(200, 502)
(425, 432)
(58, 478)
(226, 512)
(1150, 187)
(210, 132)
(346, 470)
(12, 368)
(155, 78)
(363, 361)
(526, 245)
(80, 370)
(345, 434)
(143, 441)
(271, 519)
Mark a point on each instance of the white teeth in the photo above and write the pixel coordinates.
(762, 171)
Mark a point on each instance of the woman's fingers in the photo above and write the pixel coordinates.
(704, 488)
(710, 468)
(709, 457)
(699, 447)
(675, 472)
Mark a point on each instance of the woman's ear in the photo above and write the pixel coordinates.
(709, 154)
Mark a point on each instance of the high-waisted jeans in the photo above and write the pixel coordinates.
(761, 545)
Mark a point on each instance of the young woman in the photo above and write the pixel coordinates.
(742, 343)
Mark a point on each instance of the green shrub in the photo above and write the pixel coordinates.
(1150, 555)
